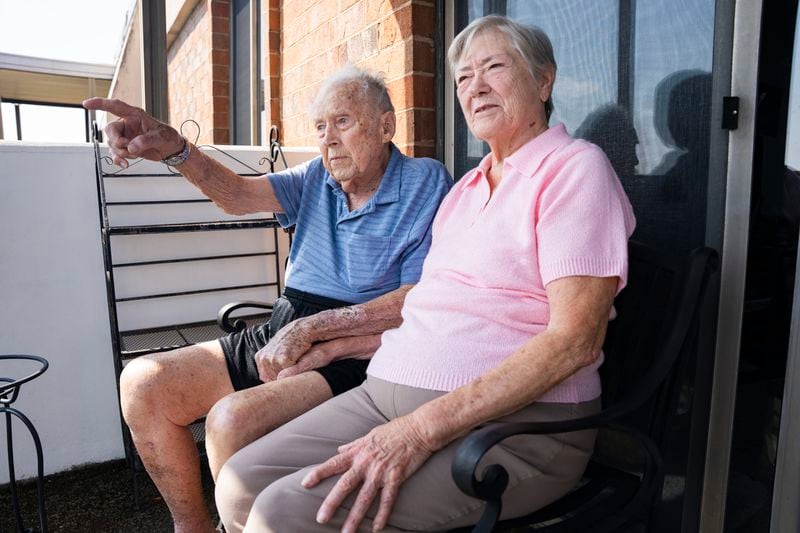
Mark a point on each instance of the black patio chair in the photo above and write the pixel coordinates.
(661, 314)
(231, 324)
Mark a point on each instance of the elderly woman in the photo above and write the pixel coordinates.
(506, 324)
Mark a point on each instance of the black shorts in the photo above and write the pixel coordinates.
(240, 348)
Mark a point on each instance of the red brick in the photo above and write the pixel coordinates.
(275, 63)
(424, 57)
(220, 25)
(388, 32)
(369, 40)
(274, 40)
(221, 104)
(274, 18)
(221, 136)
(220, 9)
(275, 85)
(220, 57)
(221, 120)
(399, 94)
(403, 16)
(423, 21)
(355, 51)
(425, 125)
(350, 22)
(423, 151)
(220, 73)
(377, 9)
(220, 41)
(424, 91)
(220, 88)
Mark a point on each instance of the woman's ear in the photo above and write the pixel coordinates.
(388, 125)
(546, 79)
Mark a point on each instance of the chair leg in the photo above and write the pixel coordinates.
(12, 481)
(39, 469)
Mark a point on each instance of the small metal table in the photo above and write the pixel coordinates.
(9, 391)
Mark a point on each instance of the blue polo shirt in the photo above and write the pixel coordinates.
(356, 256)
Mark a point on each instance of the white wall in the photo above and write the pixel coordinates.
(53, 303)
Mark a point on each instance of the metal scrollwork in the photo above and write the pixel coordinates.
(275, 151)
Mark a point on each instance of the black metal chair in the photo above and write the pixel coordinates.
(660, 314)
(9, 392)
(128, 343)
(229, 323)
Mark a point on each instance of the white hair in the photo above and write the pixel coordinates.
(372, 85)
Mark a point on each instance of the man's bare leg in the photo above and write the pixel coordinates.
(161, 394)
(242, 417)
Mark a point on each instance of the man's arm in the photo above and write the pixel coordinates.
(137, 134)
(232, 193)
(362, 321)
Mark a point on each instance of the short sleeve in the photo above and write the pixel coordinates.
(288, 187)
(584, 220)
(419, 237)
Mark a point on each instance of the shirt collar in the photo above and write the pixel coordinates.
(389, 187)
(528, 157)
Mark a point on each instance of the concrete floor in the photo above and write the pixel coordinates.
(99, 499)
(93, 499)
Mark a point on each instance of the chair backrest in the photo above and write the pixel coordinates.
(659, 313)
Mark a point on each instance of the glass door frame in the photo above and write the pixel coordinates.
(738, 24)
(786, 487)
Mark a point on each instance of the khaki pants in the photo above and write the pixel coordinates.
(260, 486)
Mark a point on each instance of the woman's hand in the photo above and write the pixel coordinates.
(378, 463)
(324, 353)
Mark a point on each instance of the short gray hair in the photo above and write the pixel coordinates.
(372, 86)
(531, 42)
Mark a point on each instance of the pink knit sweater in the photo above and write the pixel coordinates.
(558, 211)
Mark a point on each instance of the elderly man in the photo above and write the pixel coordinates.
(362, 213)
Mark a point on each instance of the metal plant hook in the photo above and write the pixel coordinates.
(196, 127)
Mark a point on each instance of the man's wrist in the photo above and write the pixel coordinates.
(179, 157)
(329, 324)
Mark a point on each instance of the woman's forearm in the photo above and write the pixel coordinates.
(573, 340)
(534, 369)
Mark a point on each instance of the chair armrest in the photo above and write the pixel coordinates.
(232, 324)
(475, 446)
(495, 477)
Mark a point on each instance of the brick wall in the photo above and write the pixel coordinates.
(390, 36)
(306, 40)
(271, 16)
(198, 72)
